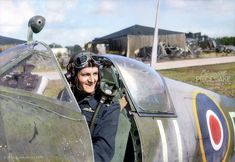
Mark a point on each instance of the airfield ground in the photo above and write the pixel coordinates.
(219, 77)
(194, 62)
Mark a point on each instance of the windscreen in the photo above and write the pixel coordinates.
(35, 123)
(32, 68)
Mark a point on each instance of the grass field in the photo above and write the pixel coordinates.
(219, 78)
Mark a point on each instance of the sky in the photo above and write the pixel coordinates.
(70, 22)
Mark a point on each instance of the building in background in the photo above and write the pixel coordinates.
(7, 42)
(130, 39)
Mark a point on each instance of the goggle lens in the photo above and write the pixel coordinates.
(81, 61)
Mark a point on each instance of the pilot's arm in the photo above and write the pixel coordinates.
(105, 132)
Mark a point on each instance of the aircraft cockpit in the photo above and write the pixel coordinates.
(32, 69)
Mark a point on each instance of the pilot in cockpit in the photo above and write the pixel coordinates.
(101, 114)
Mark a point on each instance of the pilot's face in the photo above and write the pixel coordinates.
(87, 79)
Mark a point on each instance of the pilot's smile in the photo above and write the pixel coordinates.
(88, 78)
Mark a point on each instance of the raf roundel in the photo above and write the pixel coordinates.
(215, 129)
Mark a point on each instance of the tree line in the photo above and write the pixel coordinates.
(226, 40)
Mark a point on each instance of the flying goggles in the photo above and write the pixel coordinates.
(83, 59)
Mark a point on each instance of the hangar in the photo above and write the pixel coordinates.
(7, 42)
(128, 40)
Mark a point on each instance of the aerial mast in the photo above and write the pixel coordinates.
(155, 40)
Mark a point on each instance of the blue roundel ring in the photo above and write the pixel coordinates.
(212, 126)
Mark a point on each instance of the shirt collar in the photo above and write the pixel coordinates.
(90, 100)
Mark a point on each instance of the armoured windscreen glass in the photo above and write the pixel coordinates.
(39, 119)
(32, 68)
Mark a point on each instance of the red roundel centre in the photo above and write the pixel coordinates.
(215, 129)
